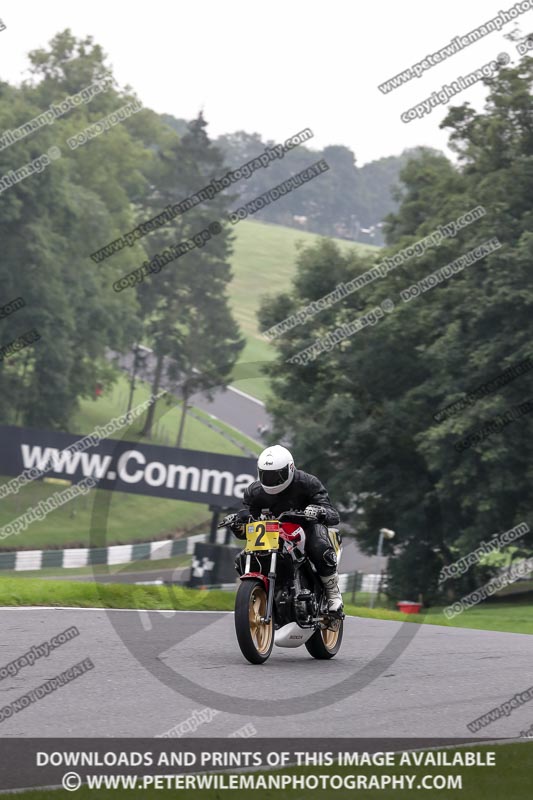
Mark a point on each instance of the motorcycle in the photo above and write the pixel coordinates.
(281, 600)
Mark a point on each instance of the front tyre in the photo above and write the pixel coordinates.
(326, 642)
(255, 638)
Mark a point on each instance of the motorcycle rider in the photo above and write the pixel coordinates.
(281, 487)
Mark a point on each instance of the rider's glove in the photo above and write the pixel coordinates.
(317, 513)
(235, 522)
(229, 520)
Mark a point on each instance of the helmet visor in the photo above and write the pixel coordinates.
(273, 477)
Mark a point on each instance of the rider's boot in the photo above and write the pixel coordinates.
(333, 594)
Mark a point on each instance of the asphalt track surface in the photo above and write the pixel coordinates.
(237, 409)
(431, 683)
(242, 411)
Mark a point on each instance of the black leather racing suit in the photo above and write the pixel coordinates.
(304, 490)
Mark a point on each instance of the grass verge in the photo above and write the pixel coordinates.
(35, 592)
(263, 263)
(494, 616)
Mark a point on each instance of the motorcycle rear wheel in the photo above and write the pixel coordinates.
(325, 643)
(254, 637)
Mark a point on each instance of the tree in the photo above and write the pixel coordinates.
(186, 304)
(361, 415)
(48, 225)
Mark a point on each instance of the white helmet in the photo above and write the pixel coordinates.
(275, 469)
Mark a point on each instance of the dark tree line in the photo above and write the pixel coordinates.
(361, 415)
(51, 222)
(349, 202)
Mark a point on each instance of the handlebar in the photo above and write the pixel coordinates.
(293, 515)
(284, 515)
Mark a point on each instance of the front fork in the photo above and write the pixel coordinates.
(271, 583)
(271, 587)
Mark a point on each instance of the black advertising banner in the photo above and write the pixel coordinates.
(125, 466)
(212, 564)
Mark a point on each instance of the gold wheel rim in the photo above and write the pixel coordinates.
(261, 633)
(330, 635)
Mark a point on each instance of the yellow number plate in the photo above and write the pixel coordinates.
(262, 535)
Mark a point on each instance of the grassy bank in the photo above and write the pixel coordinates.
(197, 435)
(131, 518)
(37, 592)
(494, 616)
(264, 263)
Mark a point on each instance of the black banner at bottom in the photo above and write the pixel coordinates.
(136, 767)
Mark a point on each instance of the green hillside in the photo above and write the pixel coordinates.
(264, 261)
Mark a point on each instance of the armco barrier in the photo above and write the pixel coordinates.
(20, 560)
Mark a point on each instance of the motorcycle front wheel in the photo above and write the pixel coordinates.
(326, 642)
(255, 638)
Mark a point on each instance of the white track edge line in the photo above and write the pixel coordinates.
(247, 396)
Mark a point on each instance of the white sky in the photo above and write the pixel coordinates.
(276, 67)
